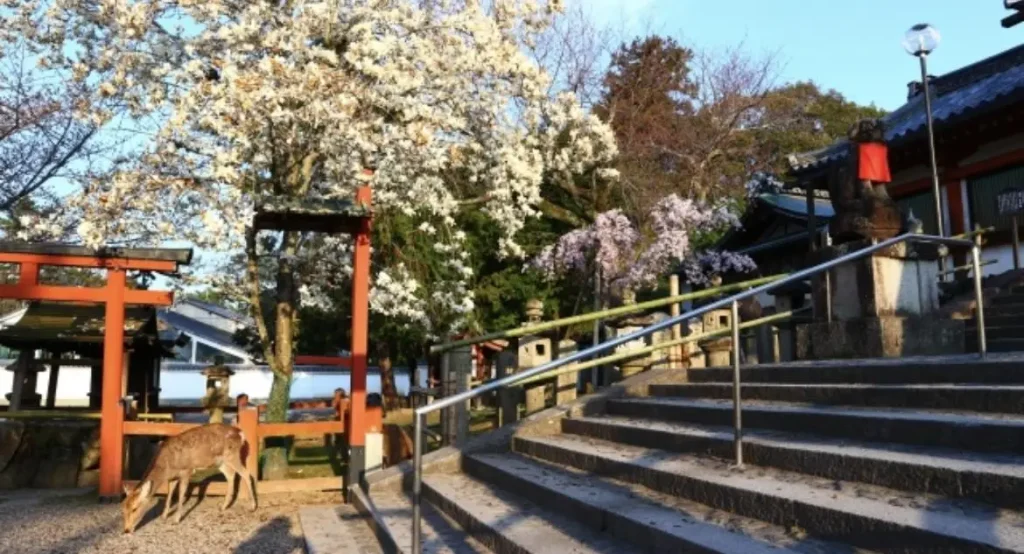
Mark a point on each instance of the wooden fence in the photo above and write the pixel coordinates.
(255, 432)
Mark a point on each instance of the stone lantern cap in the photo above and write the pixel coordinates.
(218, 371)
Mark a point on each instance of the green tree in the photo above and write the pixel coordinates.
(801, 116)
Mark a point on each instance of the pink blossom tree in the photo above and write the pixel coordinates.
(627, 259)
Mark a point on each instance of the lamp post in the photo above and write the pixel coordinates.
(920, 41)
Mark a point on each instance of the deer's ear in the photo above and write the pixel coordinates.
(127, 489)
(146, 488)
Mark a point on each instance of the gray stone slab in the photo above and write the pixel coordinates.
(993, 478)
(976, 432)
(440, 535)
(508, 523)
(1004, 367)
(648, 519)
(336, 530)
(871, 517)
(968, 397)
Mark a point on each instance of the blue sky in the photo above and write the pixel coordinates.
(851, 46)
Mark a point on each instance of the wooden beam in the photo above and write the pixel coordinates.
(219, 488)
(111, 426)
(298, 429)
(338, 361)
(88, 261)
(58, 293)
(360, 328)
(156, 429)
(356, 430)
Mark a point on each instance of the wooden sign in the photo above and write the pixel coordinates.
(1010, 201)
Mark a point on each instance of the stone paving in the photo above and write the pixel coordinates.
(73, 521)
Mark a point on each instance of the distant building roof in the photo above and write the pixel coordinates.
(766, 212)
(795, 205)
(967, 92)
(191, 326)
(217, 310)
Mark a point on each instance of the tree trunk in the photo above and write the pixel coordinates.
(387, 383)
(275, 464)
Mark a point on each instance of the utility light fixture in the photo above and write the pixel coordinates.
(921, 39)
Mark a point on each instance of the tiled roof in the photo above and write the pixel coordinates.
(970, 90)
(63, 325)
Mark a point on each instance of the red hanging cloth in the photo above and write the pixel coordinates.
(873, 163)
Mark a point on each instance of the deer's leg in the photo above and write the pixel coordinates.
(246, 477)
(170, 495)
(229, 475)
(183, 478)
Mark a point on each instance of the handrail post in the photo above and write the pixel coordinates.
(979, 300)
(417, 479)
(737, 414)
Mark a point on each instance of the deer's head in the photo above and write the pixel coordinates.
(134, 504)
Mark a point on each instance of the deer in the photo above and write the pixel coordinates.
(213, 445)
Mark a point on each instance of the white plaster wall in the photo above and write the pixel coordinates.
(73, 384)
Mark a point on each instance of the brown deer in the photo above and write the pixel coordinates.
(213, 445)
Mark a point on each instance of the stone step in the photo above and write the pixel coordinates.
(982, 433)
(992, 478)
(996, 332)
(869, 517)
(509, 524)
(651, 521)
(981, 398)
(997, 344)
(392, 518)
(334, 529)
(998, 318)
(963, 368)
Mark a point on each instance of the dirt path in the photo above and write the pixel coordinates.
(71, 522)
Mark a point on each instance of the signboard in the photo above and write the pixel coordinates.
(1010, 201)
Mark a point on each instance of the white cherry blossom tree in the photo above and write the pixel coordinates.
(241, 99)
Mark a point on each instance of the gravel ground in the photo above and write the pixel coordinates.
(70, 522)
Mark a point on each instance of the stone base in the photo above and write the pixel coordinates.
(42, 454)
(885, 337)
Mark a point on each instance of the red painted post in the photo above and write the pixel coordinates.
(28, 274)
(248, 422)
(356, 430)
(112, 422)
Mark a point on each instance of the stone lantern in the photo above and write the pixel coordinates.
(23, 384)
(217, 386)
(717, 348)
(534, 350)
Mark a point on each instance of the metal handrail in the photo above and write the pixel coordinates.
(732, 302)
(533, 329)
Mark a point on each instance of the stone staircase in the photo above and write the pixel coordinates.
(912, 455)
(1004, 323)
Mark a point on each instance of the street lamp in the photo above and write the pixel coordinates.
(920, 41)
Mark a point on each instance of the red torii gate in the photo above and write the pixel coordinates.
(352, 218)
(114, 296)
